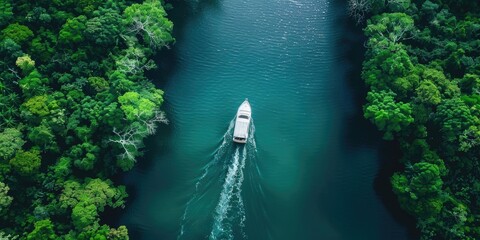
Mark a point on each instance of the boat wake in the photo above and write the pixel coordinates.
(224, 173)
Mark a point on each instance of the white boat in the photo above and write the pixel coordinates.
(242, 122)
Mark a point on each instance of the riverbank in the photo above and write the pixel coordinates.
(421, 68)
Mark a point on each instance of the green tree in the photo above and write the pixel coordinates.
(41, 106)
(135, 106)
(43, 136)
(10, 142)
(428, 93)
(72, 31)
(149, 21)
(43, 230)
(26, 64)
(84, 214)
(389, 116)
(85, 155)
(453, 117)
(34, 84)
(98, 83)
(469, 139)
(104, 29)
(392, 26)
(420, 191)
(6, 13)
(43, 46)
(19, 33)
(5, 200)
(26, 163)
(118, 234)
(99, 192)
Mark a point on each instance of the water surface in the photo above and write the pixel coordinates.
(308, 171)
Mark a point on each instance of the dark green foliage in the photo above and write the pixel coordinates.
(75, 107)
(5, 199)
(6, 13)
(422, 67)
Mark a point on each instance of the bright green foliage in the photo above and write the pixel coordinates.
(40, 105)
(426, 179)
(26, 163)
(96, 232)
(19, 33)
(84, 214)
(98, 192)
(149, 21)
(33, 84)
(390, 67)
(447, 88)
(135, 106)
(428, 93)
(429, 68)
(26, 64)
(389, 116)
(391, 26)
(90, 198)
(43, 230)
(10, 142)
(5, 199)
(62, 168)
(73, 81)
(72, 31)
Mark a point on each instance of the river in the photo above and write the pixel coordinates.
(311, 167)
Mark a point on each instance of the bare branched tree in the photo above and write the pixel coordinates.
(358, 9)
(14, 73)
(134, 61)
(152, 123)
(143, 27)
(129, 140)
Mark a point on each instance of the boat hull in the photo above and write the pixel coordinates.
(242, 123)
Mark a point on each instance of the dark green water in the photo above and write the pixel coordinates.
(310, 169)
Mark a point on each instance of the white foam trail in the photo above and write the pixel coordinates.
(238, 195)
(251, 137)
(230, 209)
(221, 211)
(226, 142)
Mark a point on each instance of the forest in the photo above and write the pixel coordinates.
(75, 107)
(422, 68)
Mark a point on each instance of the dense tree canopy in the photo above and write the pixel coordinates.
(75, 107)
(422, 66)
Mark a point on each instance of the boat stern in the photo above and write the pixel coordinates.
(240, 140)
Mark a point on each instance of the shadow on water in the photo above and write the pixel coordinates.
(183, 11)
(389, 151)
